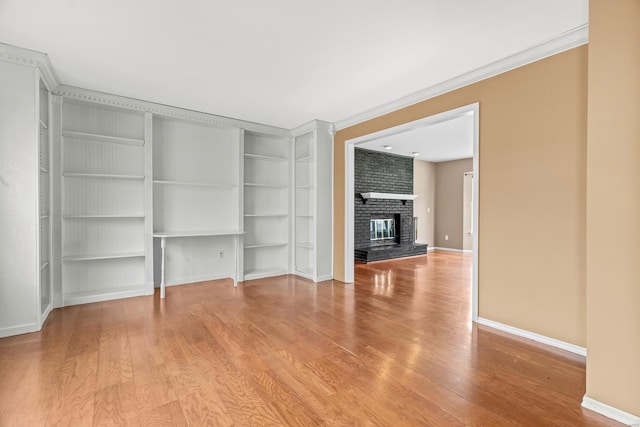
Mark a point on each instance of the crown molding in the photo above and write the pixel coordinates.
(33, 59)
(86, 95)
(563, 42)
(319, 125)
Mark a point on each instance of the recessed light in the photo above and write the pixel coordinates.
(415, 153)
(388, 147)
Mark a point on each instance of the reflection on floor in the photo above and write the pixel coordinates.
(395, 348)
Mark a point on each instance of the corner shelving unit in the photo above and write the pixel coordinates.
(44, 204)
(266, 205)
(105, 251)
(304, 205)
(195, 201)
(313, 201)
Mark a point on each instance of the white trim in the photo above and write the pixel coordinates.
(86, 95)
(439, 248)
(71, 299)
(388, 196)
(581, 351)
(197, 279)
(324, 278)
(562, 42)
(349, 147)
(610, 412)
(18, 330)
(311, 126)
(31, 58)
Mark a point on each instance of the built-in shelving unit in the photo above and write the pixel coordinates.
(195, 201)
(313, 201)
(304, 205)
(105, 251)
(44, 204)
(266, 205)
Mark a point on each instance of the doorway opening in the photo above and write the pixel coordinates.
(471, 111)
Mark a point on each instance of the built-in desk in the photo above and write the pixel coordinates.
(164, 235)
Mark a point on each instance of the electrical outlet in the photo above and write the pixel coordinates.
(446, 237)
(221, 254)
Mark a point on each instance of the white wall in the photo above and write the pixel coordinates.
(18, 198)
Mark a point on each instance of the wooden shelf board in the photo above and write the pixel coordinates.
(102, 138)
(101, 176)
(265, 245)
(305, 159)
(45, 170)
(103, 256)
(197, 233)
(43, 125)
(44, 265)
(304, 216)
(307, 245)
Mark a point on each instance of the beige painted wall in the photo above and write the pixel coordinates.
(532, 191)
(449, 202)
(424, 185)
(613, 208)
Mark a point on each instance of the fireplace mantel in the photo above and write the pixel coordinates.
(388, 196)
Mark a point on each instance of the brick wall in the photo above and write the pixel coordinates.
(382, 173)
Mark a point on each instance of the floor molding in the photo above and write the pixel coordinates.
(610, 412)
(533, 336)
(438, 248)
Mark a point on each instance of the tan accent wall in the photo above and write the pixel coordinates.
(613, 208)
(449, 202)
(424, 186)
(532, 191)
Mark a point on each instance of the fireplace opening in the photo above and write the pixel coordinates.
(382, 230)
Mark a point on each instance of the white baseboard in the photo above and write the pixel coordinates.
(18, 330)
(325, 278)
(196, 279)
(533, 336)
(438, 248)
(610, 412)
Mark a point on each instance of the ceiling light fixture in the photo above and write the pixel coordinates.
(415, 153)
(387, 147)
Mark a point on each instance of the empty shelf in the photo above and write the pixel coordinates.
(101, 175)
(263, 157)
(265, 245)
(102, 216)
(102, 256)
(194, 183)
(197, 233)
(102, 138)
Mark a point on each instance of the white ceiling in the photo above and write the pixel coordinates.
(440, 142)
(279, 62)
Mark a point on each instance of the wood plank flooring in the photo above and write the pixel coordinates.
(396, 348)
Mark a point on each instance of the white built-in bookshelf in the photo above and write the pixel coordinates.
(304, 205)
(104, 205)
(266, 205)
(313, 203)
(195, 200)
(44, 203)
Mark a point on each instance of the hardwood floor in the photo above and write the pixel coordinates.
(396, 348)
